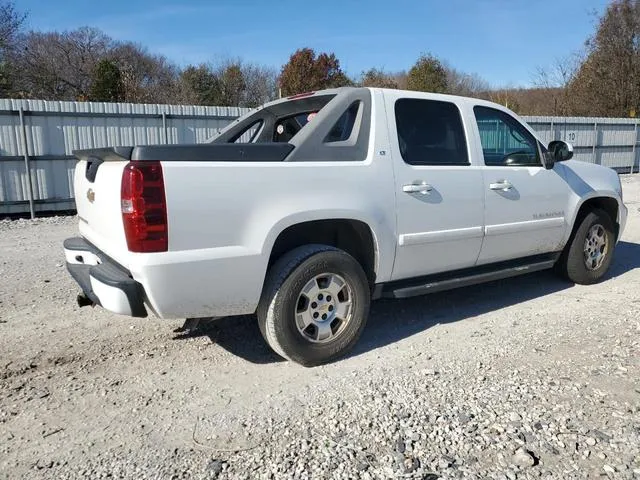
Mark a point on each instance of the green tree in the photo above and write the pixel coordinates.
(427, 75)
(377, 78)
(201, 85)
(232, 85)
(106, 85)
(305, 71)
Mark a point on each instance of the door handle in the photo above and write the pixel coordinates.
(503, 185)
(424, 188)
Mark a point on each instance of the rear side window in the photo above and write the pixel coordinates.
(343, 128)
(430, 132)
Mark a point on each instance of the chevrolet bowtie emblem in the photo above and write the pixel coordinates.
(91, 195)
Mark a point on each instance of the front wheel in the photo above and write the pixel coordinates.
(314, 304)
(589, 253)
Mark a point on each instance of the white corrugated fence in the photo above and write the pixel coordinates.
(52, 130)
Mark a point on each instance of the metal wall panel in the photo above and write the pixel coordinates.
(55, 129)
(611, 142)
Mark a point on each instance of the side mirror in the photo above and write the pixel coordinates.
(560, 151)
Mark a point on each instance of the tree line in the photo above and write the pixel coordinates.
(603, 79)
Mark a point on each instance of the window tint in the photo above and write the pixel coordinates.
(505, 142)
(342, 129)
(430, 132)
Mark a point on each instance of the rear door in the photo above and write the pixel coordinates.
(525, 204)
(439, 197)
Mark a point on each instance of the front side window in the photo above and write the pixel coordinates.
(505, 142)
(430, 132)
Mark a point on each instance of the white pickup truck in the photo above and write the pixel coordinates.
(304, 210)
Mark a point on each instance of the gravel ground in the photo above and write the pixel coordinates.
(526, 378)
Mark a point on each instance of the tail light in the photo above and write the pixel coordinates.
(144, 207)
(301, 95)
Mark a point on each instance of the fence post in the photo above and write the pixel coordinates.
(595, 141)
(23, 129)
(164, 128)
(633, 149)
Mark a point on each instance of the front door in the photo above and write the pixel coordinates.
(525, 204)
(439, 197)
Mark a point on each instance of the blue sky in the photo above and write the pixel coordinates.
(501, 40)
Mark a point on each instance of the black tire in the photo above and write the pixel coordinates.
(281, 294)
(572, 263)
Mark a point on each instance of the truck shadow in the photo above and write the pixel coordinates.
(393, 320)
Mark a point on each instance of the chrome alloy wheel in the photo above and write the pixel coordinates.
(324, 308)
(595, 247)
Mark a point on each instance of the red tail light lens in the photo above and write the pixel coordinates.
(144, 207)
(301, 95)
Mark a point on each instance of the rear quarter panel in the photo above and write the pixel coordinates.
(225, 217)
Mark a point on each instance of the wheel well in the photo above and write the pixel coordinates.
(352, 236)
(609, 205)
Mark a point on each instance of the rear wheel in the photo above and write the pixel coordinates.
(314, 305)
(589, 253)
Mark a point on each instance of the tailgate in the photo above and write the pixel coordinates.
(97, 182)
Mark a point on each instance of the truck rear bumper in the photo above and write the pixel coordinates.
(103, 281)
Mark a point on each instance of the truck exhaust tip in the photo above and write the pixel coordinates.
(84, 301)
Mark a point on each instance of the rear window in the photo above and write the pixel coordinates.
(287, 127)
(430, 132)
(275, 122)
(250, 133)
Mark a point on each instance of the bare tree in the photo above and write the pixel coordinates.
(11, 22)
(377, 78)
(260, 84)
(506, 97)
(557, 79)
(401, 79)
(58, 65)
(466, 84)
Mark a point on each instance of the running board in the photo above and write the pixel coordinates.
(465, 277)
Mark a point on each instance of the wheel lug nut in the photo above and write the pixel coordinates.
(320, 296)
(331, 308)
(315, 315)
(324, 316)
(328, 298)
(314, 305)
